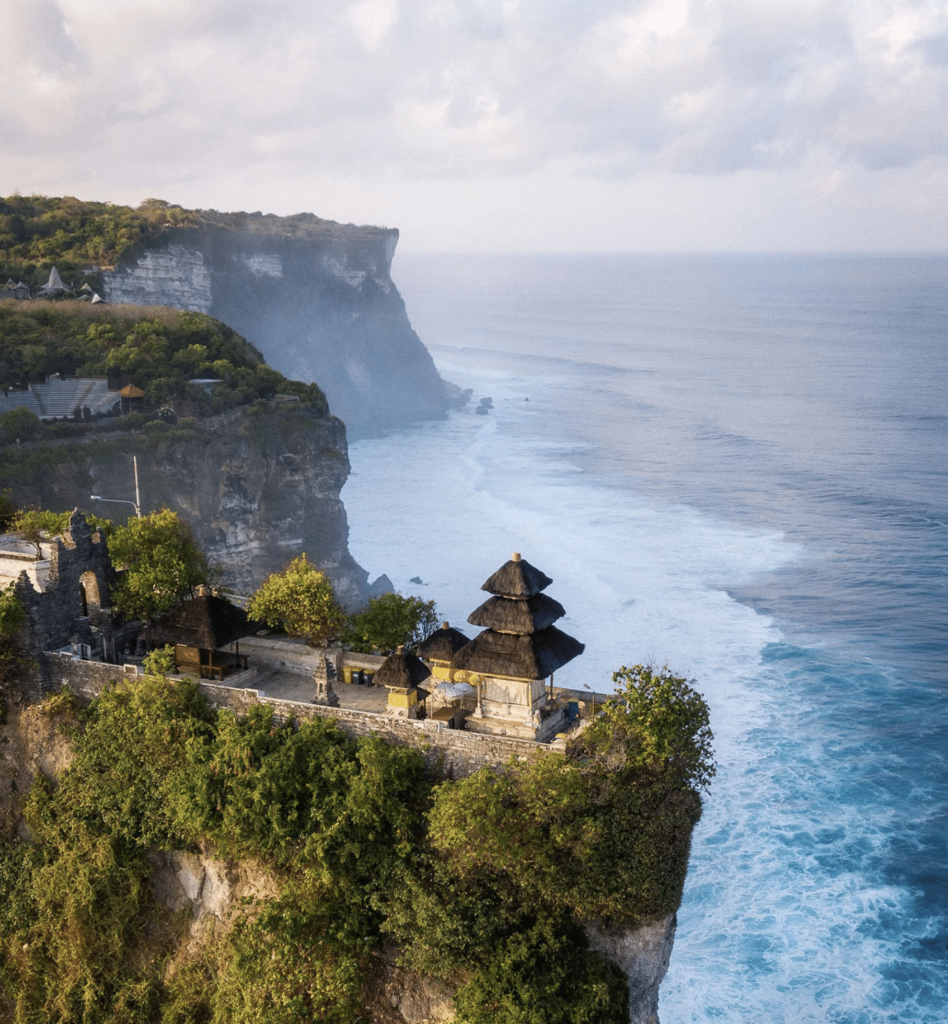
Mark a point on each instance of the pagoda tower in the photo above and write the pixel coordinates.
(512, 657)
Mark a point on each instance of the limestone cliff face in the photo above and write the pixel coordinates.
(314, 296)
(257, 485)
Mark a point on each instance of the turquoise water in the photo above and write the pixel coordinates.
(736, 466)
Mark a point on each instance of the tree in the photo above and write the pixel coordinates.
(163, 564)
(34, 524)
(299, 600)
(389, 621)
(657, 721)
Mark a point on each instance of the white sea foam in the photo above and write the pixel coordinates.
(770, 928)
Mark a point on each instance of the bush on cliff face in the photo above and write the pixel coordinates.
(490, 876)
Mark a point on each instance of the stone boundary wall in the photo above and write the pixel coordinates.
(449, 753)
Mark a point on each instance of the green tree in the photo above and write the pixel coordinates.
(299, 600)
(657, 722)
(389, 621)
(163, 564)
(20, 424)
(35, 524)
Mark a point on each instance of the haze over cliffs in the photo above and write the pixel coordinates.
(316, 298)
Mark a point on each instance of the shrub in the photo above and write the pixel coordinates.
(163, 564)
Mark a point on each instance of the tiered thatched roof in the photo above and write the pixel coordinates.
(525, 657)
(402, 671)
(443, 643)
(520, 639)
(520, 615)
(205, 621)
(517, 579)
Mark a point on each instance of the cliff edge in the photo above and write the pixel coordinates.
(315, 297)
(259, 484)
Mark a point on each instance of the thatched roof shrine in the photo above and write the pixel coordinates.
(520, 640)
(402, 671)
(535, 656)
(205, 621)
(516, 615)
(517, 579)
(443, 643)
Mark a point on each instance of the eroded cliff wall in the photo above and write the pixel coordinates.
(314, 296)
(258, 485)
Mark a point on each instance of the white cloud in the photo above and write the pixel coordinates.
(239, 98)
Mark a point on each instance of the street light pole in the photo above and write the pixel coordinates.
(136, 504)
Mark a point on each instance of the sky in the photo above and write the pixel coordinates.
(497, 125)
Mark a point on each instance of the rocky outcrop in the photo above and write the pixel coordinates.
(314, 296)
(259, 485)
(643, 954)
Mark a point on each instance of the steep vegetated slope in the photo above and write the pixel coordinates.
(316, 297)
(256, 466)
(296, 856)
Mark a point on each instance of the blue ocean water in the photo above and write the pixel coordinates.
(735, 465)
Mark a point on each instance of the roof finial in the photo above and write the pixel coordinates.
(401, 649)
(445, 624)
(515, 557)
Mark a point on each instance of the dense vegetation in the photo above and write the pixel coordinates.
(388, 621)
(39, 231)
(484, 881)
(155, 348)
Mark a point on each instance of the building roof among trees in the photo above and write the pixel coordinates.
(516, 615)
(204, 621)
(535, 656)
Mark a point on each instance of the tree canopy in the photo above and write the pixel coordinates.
(163, 564)
(299, 600)
(389, 621)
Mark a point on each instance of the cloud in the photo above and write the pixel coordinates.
(153, 96)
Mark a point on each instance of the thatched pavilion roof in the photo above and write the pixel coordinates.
(402, 671)
(131, 391)
(442, 644)
(525, 657)
(205, 621)
(512, 615)
(518, 579)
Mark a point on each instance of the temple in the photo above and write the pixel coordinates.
(510, 660)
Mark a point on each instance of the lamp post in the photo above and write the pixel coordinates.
(136, 504)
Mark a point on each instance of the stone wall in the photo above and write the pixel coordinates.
(451, 753)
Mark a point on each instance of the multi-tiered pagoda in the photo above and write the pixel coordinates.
(511, 659)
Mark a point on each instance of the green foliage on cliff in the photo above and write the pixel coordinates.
(157, 349)
(39, 231)
(485, 880)
(388, 621)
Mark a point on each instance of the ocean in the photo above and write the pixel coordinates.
(735, 465)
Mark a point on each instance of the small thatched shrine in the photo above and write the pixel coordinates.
(519, 648)
(438, 650)
(400, 674)
(198, 629)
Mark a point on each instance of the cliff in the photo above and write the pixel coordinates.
(315, 297)
(194, 901)
(258, 484)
